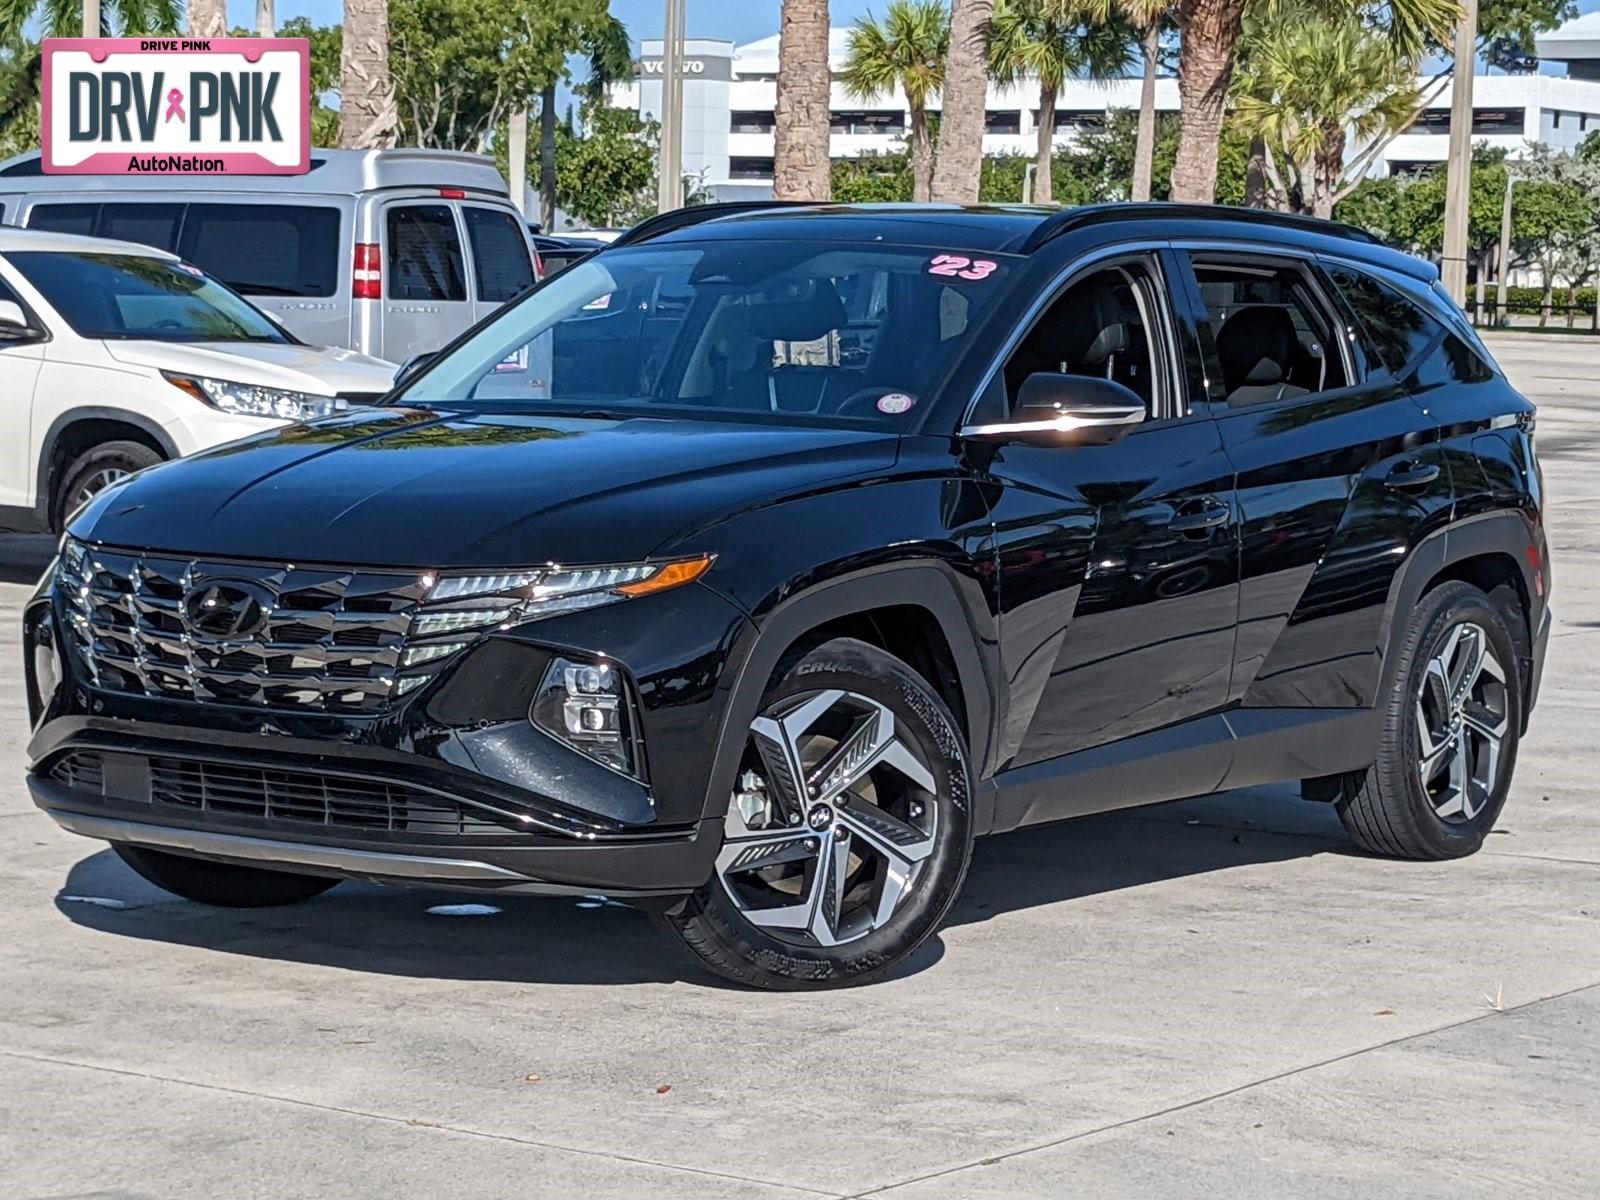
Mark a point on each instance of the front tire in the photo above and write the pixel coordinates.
(1452, 716)
(96, 469)
(222, 885)
(850, 832)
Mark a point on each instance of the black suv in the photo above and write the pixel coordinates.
(752, 567)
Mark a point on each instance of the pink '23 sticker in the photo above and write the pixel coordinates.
(959, 266)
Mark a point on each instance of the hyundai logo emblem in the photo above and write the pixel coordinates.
(226, 609)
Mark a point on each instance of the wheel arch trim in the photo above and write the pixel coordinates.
(923, 585)
(76, 416)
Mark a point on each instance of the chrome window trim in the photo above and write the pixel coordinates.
(1048, 295)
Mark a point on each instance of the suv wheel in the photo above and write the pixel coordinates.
(1449, 737)
(223, 885)
(849, 834)
(95, 470)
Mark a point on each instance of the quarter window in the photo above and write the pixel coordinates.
(424, 254)
(1410, 343)
(1273, 338)
(499, 254)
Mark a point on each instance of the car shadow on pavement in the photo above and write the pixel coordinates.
(24, 556)
(431, 934)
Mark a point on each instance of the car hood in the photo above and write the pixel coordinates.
(417, 488)
(316, 369)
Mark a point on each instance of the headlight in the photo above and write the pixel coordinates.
(457, 608)
(249, 400)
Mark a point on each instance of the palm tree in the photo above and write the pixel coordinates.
(1307, 82)
(1210, 32)
(208, 18)
(367, 113)
(1149, 17)
(959, 163)
(800, 169)
(64, 18)
(610, 56)
(906, 51)
(1053, 41)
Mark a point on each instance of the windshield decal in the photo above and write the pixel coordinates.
(894, 403)
(958, 266)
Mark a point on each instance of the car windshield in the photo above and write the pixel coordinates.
(792, 332)
(127, 296)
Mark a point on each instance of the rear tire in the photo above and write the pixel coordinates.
(836, 880)
(1452, 715)
(222, 885)
(93, 471)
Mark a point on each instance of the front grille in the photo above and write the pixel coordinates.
(322, 639)
(295, 797)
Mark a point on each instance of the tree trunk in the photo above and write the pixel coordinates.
(1572, 299)
(1144, 146)
(921, 155)
(800, 169)
(1256, 184)
(208, 18)
(1326, 169)
(1545, 298)
(1042, 192)
(366, 93)
(547, 158)
(1210, 30)
(959, 163)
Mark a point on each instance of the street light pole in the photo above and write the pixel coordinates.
(91, 18)
(669, 193)
(266, 18)
(1458, 183)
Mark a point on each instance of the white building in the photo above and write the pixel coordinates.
(730, 91)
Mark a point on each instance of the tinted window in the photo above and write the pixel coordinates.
(1274, 340)
(1099, 326)
(64, 218)
(131, 296)
(265, 250)
(1404, 338)
(779, 332)
(499, 254)
(424, 254)
(149, 224)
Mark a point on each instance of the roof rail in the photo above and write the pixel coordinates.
(682, 218)
(1094, 214)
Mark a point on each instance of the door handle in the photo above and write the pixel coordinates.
(1197, 516)
(1411, 475)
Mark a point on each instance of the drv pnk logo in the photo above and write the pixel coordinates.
(216, 106)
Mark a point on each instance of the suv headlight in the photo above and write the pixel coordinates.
(456, 609)
(250, 400)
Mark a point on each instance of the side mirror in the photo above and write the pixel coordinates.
(1057, 409)
(412, 366)
(14, 325)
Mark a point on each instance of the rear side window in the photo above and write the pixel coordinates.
(64, 218)
(265, 250)
(424, 254)
(1405, 339)
(499, 254)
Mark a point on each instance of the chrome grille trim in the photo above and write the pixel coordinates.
(332, 640)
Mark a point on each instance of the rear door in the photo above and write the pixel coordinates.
(502, 259)
(426, 301)
(1339, 473)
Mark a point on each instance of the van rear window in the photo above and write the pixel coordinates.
(424, 254)
(499, 253)
(265, 250)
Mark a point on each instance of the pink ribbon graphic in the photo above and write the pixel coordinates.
(174, 106)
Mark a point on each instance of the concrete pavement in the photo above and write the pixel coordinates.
(1213, 998)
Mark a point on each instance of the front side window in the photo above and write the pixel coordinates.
(126, 296)
(1102, 325)
(1274, 338)
(499, 254)
(751, 331)
(424, 254)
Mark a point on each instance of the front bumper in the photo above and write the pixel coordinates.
(452, 787)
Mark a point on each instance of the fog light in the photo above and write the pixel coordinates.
(586, 705)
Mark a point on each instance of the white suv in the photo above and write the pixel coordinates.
(115, 356)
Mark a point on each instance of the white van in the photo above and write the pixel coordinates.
(389, 252)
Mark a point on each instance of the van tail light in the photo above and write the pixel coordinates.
(538, 265)
(366, 280)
